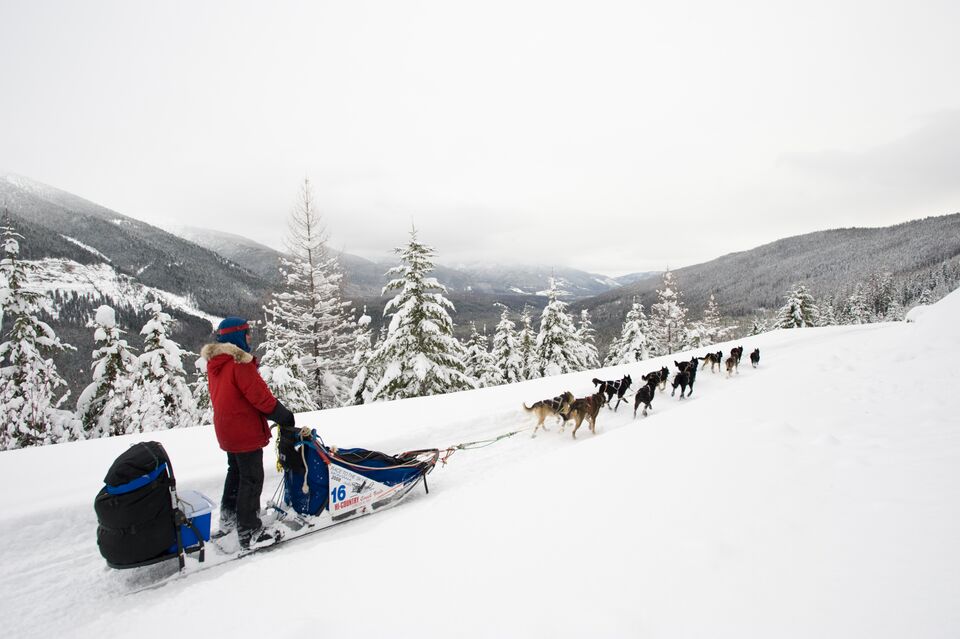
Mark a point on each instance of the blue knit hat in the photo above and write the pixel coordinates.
(233, 330)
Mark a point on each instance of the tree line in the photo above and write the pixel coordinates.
(317, 352)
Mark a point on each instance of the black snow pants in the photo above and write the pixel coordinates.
(241, 491)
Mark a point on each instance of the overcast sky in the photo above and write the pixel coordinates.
(607, 136)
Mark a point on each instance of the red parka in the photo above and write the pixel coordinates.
(240, 398)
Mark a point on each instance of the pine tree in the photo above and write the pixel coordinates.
(282, 366)
(102, 404)
(29, 416)
(858, 308)
(710, 329)
(160, 397)
(527, 345)
(586, 338)
(758, 326)
(310, 308)
(558, 350)
(507, 359)
(364, 375)
(420, 354)
(480, 360)
(668, 319)
(631, 345)
(200, 388)
(799, 311)
(828, 316)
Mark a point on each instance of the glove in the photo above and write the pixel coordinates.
(282, 416)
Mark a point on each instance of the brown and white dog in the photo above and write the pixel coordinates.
(557, 407)
(584, 408)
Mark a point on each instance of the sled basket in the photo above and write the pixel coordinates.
(346, 481)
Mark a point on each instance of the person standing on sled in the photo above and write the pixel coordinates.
(242, 404)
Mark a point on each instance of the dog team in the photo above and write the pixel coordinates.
(567, 408)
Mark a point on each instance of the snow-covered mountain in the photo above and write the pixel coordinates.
(815, 496)
(365, 278)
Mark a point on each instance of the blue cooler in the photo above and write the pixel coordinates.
(197, 507)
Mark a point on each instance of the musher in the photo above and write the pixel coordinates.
(242, 404)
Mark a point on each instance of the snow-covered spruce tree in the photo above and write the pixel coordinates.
(558, 350)
(507, 359)
(160, 397)
(420, 354)
(710, 329)
(631, 345)
(282, 366)
(103, 403)
(668, 320)
(29, 415)
(527, 345)
(200, 388)
(480, 360)
(310, 307)
(799, 311)
(364, 375)
(587, 338)
(758, 326)
(828, 316)
(857, 309)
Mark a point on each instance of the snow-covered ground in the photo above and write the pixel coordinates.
(816, 496)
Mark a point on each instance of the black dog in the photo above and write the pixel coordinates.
(755, 357)
(661, 375)
(692, 372)
(645, 394)
(682, 379)
(682, 366)
(737, 354)
(609, 388)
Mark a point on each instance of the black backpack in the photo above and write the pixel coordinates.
(139, 522)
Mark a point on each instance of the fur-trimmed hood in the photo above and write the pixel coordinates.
(209, 351)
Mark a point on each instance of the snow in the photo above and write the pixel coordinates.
(815, 496)
(105, 317)
(67, 276)
(86, 247)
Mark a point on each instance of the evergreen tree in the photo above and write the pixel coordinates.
(758, 326)
(160, 397)
(282, 366)
(363, 375)
(710, 329)
(668, 319)
(200, 388)
(420, 355)
(858, 308)
(558, 350)
(586, 338)
(310, 310)
(480, 360)
(828, 316)
(527, 345)
(29, 416)
(102, 404)
(631, 345)
(507, 358)
(799, 311)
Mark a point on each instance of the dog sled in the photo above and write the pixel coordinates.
(143, 520)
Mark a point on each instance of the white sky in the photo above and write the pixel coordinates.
(607, 136)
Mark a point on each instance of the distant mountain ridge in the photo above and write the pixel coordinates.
(365, 278)
(828, 262)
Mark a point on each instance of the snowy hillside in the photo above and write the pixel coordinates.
(815, 496)
(103, 282)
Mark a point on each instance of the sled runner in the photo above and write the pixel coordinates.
(142, 520)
